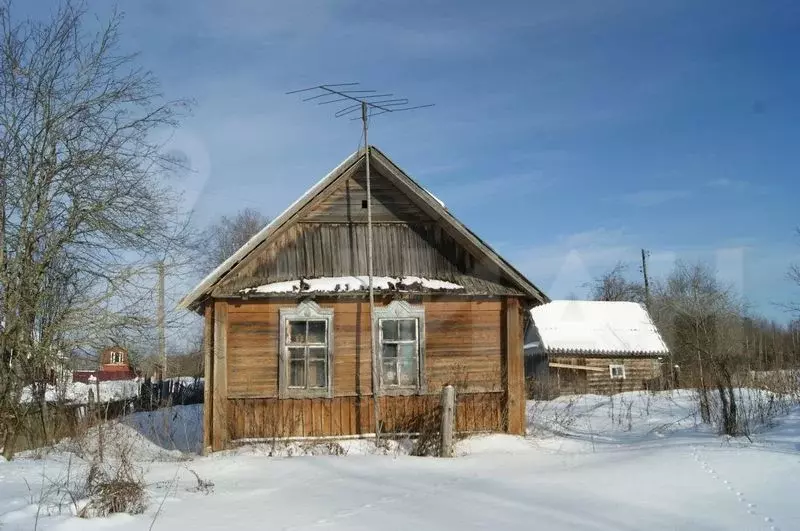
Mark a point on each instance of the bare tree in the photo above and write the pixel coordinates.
(702, 320)
(85, 208)
(226, 236)
(794, 276)
(613, 286)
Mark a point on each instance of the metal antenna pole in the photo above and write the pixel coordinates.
(376, 408)
(370, 103)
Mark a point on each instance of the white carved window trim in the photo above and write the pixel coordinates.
(617, 368)
(305, 311)
(401, 310)
(115, 357)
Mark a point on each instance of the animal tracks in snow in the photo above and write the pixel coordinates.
(749, 507)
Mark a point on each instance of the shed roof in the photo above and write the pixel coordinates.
(602, 328)
(412, 188)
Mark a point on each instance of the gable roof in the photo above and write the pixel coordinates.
(391, 171)
(603, 328)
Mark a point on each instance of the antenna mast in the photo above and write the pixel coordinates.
(370, 103)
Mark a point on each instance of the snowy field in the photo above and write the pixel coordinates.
(639, 462)
(78, 392)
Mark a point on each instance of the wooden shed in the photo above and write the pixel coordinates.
(599, 347)
(288, 324)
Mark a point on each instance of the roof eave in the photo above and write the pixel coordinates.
(191, 301)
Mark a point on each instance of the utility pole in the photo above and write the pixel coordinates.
(162, 333)
(645, 254)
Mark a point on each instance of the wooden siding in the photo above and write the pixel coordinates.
(219, 418)
(639, 373)
(514, 367)
(267, 418)
(345, 202)
(311, 250)
(208, 367)
(329, 239)
(463, 346)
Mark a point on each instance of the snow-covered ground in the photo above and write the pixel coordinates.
(78, 392)
(639, 462)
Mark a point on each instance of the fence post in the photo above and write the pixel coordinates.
(448, 420)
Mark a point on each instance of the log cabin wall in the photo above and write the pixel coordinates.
(639, 374)
(464, 345)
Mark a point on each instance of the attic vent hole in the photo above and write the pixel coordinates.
(363, 203)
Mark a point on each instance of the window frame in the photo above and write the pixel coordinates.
(305, 311)
(114, 354)
(613, 366)
(399, 310)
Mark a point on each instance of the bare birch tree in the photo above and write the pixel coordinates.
(85, 209)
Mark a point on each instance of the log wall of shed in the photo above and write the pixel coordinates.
(639, 374)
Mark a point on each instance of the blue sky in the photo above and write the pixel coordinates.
(568, 134)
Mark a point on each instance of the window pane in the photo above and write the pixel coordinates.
(297, 373)
(407, 364)
(389, 372)
(407, 369)
(297, 331)
(389, 329)
(297, 353)
(390, 351)
(316, 353)
(316, 374)
(316, 332)
(408, 329)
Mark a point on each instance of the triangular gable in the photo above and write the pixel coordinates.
(312, 203)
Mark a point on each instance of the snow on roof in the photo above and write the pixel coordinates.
(359, 283)
(210, 280)
(597, 327)
(434, 197)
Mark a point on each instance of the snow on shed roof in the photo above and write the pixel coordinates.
(597, 327)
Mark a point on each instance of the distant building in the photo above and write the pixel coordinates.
(601, 347)
(112, 364)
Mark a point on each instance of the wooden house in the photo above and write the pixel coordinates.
(599, 347)
(288, 324)
(112, 363)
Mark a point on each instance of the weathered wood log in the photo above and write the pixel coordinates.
(448, 421)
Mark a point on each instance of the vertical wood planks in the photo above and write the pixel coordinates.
(208, 367)
(219, 428)
(515, 372)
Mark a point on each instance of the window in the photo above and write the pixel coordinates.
(617, 372)
(400, 331)
(399, 352)
(305, 360)
(307, 343)
(116, 357)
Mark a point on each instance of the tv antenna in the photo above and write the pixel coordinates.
(351, 98)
